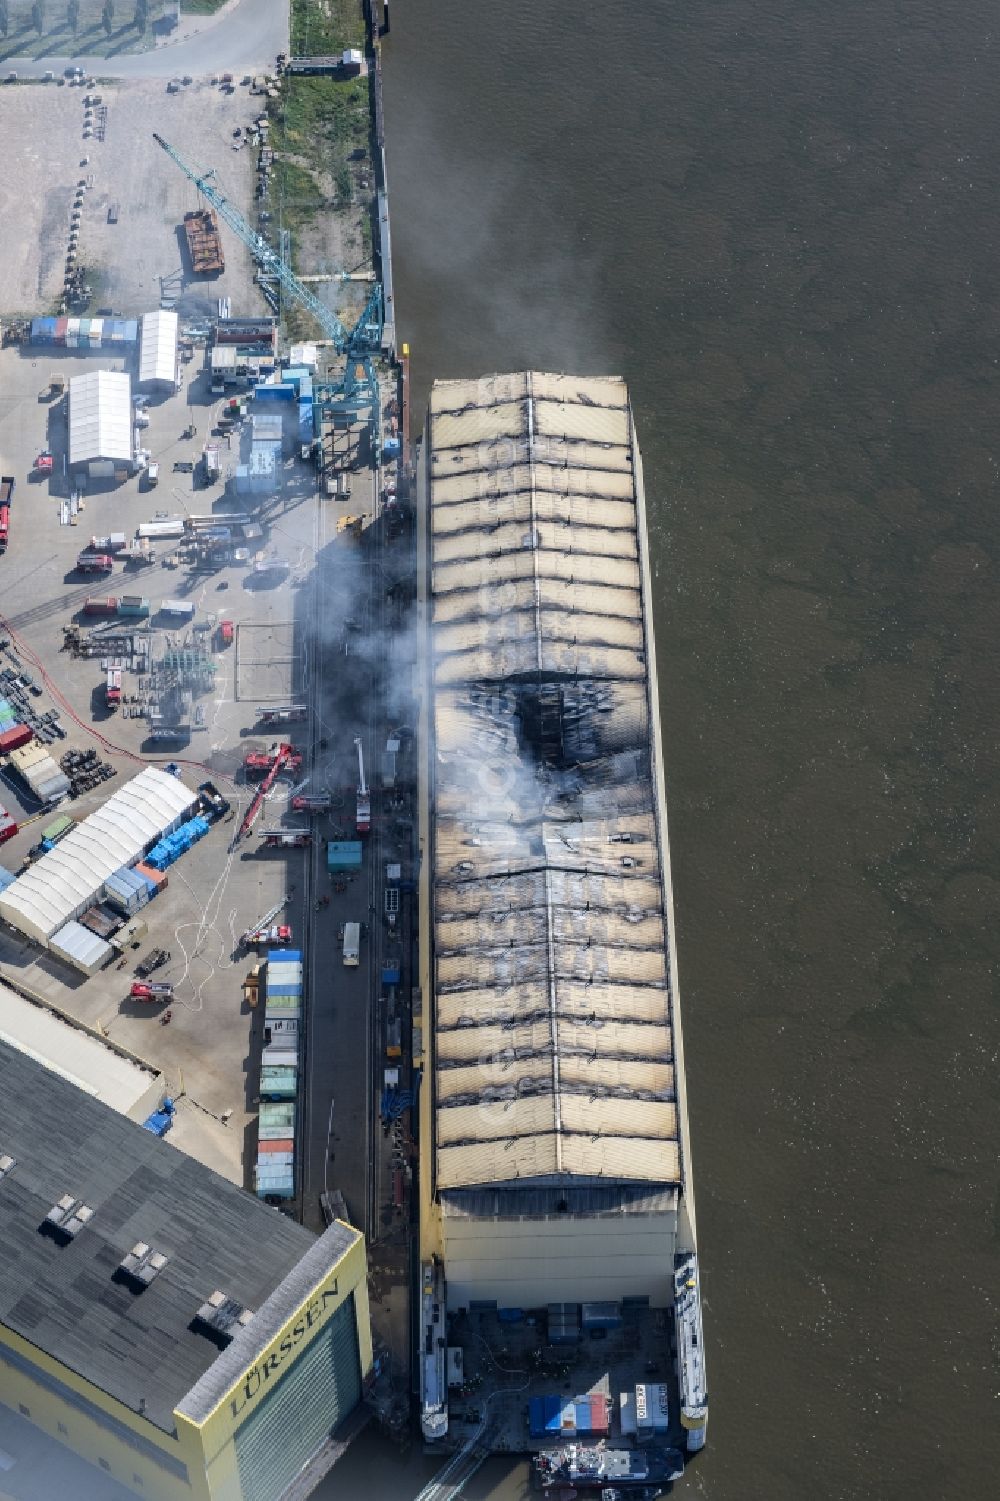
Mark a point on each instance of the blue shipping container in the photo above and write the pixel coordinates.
(545, 1416)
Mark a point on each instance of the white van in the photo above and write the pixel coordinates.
(352, 943)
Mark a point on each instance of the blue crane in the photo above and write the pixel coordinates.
(364, 339)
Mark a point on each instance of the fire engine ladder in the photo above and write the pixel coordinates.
(257, 802)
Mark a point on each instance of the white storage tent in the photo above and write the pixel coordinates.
(158, 349)
(81, 948)
(100, 418)
(71, 877)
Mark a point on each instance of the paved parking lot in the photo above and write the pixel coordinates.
(129, 262)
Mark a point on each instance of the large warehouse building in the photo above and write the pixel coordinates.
(71, 877)
(167, 1327)
(558, 1170)
(100, 423)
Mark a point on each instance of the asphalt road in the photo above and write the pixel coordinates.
(245, 39)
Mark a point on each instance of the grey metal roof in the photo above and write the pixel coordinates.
(595, 1201)
(552, 998)
(65, 1299)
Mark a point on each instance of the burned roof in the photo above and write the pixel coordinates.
(67, 1297)
(552, 974)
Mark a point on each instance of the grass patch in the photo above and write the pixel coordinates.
(315, 114)
(322, 27)
(315, 126)
(201, 7)
(299, 195)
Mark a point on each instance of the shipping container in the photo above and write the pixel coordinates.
(547, 1416)
(167, 527)
(182, 608)
(278, 1145)
(10, 739)
(155, 880)
(133, 605)
(60, 330)
(57, 829)
(98, 606)
(8, 826)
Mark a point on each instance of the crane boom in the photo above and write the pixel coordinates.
(261, 250)
(362, 788)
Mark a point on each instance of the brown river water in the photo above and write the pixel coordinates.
(779, 221)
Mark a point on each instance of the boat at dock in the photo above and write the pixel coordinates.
(598, 1467)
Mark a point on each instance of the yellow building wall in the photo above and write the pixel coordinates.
(208, 1449)
(86, 1436)
(214, 1439)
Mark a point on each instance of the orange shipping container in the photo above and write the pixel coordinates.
(274, 1146)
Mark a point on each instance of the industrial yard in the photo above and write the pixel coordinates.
(130, 239)
(210, 1037)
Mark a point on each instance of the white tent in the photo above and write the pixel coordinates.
(71, 877)
(158, 349)
(100, 417)
(81, 948)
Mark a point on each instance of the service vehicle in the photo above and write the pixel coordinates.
(286, 839)
(95, 562)
(282, 714)
(311, 802)
(278, 935)
(151, 990)
(153, 960)
(352, 943)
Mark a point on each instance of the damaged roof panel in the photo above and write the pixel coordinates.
(553, 1046)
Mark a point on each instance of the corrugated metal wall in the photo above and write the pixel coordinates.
(319, 1391)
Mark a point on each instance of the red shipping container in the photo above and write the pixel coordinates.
(274, 1146)
(18, 734)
